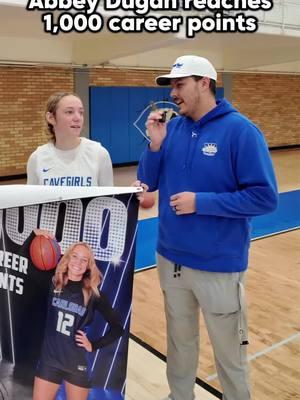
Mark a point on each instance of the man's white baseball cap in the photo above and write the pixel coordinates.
(187, 66)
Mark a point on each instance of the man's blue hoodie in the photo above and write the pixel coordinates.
(224, 159)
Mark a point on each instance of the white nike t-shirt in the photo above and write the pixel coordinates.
(89, 164)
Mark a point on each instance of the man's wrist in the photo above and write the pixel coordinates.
(154, 146)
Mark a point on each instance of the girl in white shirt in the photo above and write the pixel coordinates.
(68, 159)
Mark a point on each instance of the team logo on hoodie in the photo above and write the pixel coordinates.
(210, 149)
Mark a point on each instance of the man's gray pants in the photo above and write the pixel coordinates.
(220, 296)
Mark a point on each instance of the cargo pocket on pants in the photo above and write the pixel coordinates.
(242, 321)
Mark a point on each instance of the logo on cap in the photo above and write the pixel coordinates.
(177, 65)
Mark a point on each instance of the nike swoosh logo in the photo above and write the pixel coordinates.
(46, 169)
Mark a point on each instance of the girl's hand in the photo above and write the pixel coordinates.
(43, 232)
(82, 341)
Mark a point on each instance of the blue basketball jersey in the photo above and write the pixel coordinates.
(67, 314)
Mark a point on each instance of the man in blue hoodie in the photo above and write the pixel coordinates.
(213, 171)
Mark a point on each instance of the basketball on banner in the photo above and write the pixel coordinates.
(44, 253)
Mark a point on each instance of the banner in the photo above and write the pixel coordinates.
(105, 219)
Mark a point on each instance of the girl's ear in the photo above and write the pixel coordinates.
(50, 118)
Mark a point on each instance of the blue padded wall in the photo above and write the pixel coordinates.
(113, 114)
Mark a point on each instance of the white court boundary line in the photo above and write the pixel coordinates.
(251, 240)
(263, 352)
(145, 268)
(275, 233)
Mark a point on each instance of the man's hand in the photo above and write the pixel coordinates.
(183, 203)
(140, 195)
(156, 130)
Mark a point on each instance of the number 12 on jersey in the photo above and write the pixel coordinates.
(64, 322)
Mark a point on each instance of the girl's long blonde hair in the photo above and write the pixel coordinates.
(91, 278)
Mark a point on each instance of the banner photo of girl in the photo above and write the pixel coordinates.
(66, 275)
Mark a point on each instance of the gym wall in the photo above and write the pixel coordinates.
(270, 100)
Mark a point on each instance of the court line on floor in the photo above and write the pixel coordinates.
(162, 357)
(264, 352)
(266, 236)
(275, 233)
(145, 268)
